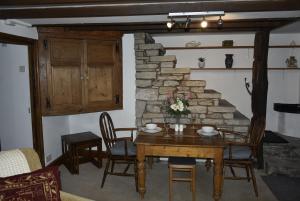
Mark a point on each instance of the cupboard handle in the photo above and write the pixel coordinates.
(48, 104)
(81, 77)
(45, 43)
(117, 99)
(86, 77)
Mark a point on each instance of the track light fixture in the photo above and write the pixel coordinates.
(203, 23)
(189, 15)
(170, 23)
(220, 22)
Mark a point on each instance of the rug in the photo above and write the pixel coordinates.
(272, 137)
(285, 188)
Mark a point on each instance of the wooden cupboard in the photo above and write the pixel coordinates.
(80, 71)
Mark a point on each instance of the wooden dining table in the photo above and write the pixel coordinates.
(185, 144)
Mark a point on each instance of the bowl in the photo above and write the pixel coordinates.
(207, 129)
(151, 126)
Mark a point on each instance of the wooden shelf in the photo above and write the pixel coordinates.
(213, 69)
(284, 68)
(233, 47)
(207, 47)
(237, 69)
(284, 46)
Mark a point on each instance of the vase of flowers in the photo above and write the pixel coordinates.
(176, 107)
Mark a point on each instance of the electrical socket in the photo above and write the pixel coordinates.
(21, 69)
(48, 157)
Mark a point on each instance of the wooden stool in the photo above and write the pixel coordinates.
(182, 164)
(74, 150)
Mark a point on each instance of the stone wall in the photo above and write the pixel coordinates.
(157, 79)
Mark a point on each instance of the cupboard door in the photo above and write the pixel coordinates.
(103, 83)
(64, 76)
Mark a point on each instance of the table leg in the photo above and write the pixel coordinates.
(76, 149)
(218, 175)
(99, 150)
(141, 169)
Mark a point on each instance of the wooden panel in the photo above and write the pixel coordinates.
(64, 76)
(99, 52)
(188, 151)
(100, 84)
(100, 69)
(66, 87)
(65, 52)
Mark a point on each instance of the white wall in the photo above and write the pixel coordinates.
(53, 128)
(28, 32)
(284, 86)
(15, 117)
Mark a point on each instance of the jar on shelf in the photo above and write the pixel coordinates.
(228, 60)
(201, 62)
(291, 62)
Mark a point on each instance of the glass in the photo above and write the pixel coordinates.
(194, 121)
(165, 116)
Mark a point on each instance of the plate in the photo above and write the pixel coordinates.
(214, 132)
(156, 130)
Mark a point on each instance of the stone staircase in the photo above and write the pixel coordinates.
(157, 77)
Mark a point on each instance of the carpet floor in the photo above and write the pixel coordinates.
(87, 184)
(285, 188)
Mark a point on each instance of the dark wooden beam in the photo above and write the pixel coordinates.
(259, 90)
(160, 27)
(260, 74)
(98, 8)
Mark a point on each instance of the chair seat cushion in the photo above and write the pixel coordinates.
(182, 161)
(119, 148)
(238, 152)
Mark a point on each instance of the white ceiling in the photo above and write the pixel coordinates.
(292, 28)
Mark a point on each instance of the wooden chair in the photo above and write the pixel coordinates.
(242, 151)
(119, 150)
(182, 164)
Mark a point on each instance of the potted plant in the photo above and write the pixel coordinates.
(201, 62)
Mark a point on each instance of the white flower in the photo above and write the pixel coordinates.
(174, 107)
(180, 108)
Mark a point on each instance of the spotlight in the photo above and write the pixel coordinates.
(204, 23)
(170, 24)
(220, 22)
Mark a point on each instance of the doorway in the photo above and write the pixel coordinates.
(33, 72)
(15, 106)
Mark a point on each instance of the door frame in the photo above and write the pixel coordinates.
(36, 114)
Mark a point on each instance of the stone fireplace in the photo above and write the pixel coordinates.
(157, 77)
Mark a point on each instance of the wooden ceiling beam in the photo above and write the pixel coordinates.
(99, 8)
(160, 27)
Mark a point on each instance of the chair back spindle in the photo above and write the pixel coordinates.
(107, 130)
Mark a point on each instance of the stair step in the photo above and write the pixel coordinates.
(166, 58)
(238, 120)
(209, 93)
(223, 107)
